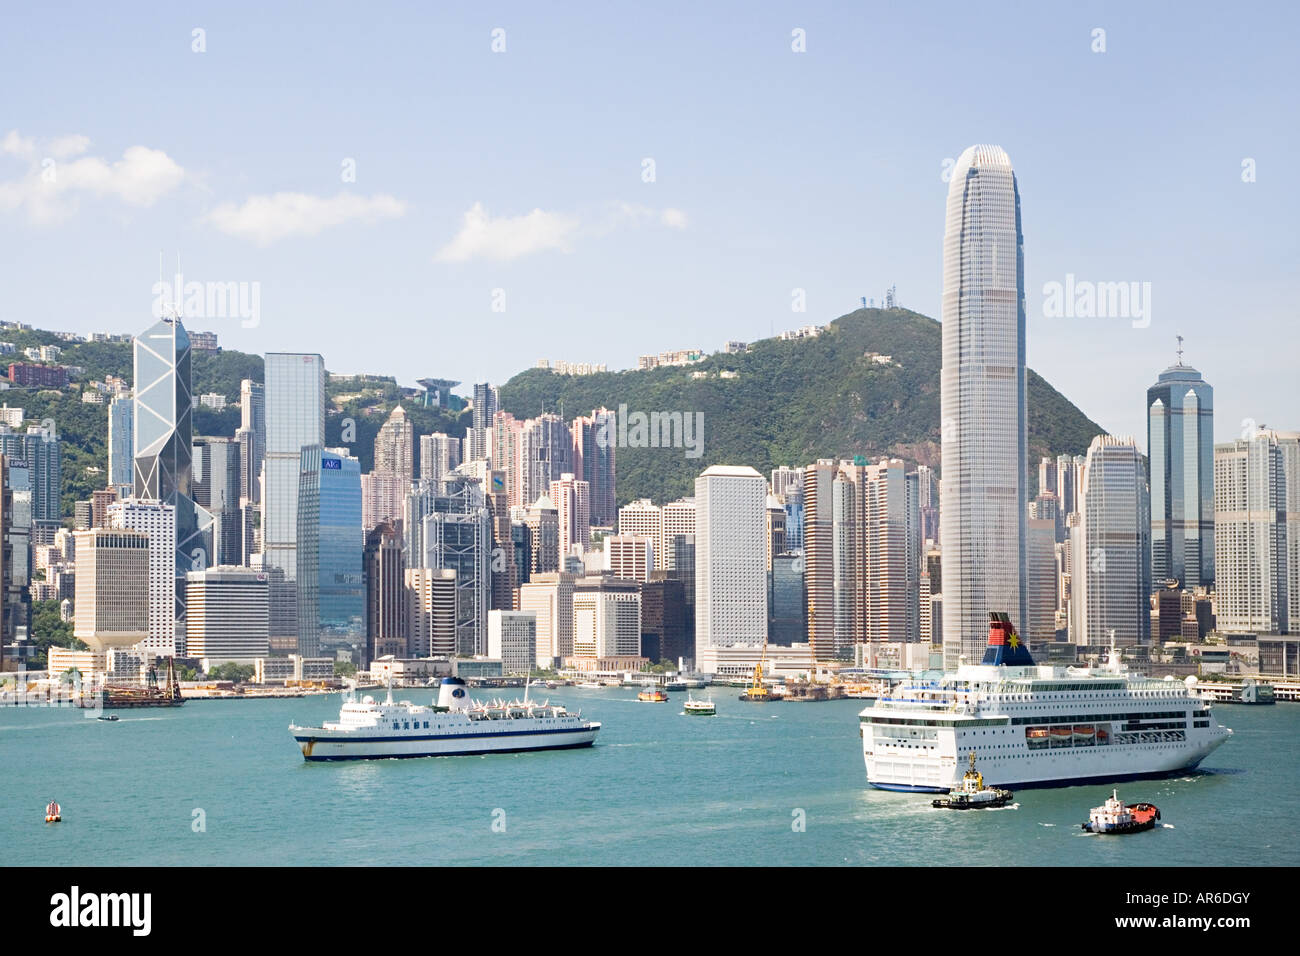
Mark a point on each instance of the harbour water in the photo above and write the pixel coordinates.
(221, 782)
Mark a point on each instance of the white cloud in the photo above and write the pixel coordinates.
(510, 237)
(265, 219)
(673, 218)
(51, 188)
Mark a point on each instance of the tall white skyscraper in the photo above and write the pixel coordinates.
(983, 496)
(439, 454)
(158, 520)
(1111, 549)
(730, 561)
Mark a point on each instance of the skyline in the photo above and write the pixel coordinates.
(760, 154)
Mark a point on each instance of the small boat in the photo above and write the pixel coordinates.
(108, 717)
(1114, 817)
(592, 685)
(700, 708)
(652, 696)
(972, 794)
(53, 812)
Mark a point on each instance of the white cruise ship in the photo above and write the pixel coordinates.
(1031, 725)
(455, 726)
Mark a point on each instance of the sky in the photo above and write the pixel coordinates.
(460, 191)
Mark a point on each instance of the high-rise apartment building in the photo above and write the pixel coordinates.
(439, 455)
(572, 498)
(395, 446)
(478, 443)
(982, 385)
(1111, 548)
(594, 440)
(121, 441)
(1257, 533)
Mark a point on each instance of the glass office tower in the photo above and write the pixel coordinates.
(330, 541)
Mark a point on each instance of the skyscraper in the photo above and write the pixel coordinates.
(450, 526)
(983, 381)
(158, 521)
(439, 454)
(593, 462)
(330, 541)
(819, 556)
(121, 441)
(572, 499)
(1111, 548)
(395, 446)
(295, 416)
(252, 418)
(1257, 533)
(478, 444)
(730, 561)
(1180, 447)
(216, 488)
(163, 431)
(386, 594)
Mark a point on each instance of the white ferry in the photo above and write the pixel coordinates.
(455, 726)
(1034, 725)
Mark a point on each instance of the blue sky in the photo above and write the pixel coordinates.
(774, 170)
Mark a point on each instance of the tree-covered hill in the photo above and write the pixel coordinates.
(868, 385)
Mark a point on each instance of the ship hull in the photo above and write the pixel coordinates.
(317, 744)
(1042, 770)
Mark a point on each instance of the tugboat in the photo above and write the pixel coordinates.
(652, 696)
(700, 708)
(53, 812)
(1114, 817)
(973, 795)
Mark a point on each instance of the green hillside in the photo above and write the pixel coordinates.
(791, 403)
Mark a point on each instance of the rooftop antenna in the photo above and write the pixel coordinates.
(1180, 349)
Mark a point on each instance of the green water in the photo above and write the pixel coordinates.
(659, 787)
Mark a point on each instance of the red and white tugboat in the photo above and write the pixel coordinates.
(972, 794)
(1114, 817)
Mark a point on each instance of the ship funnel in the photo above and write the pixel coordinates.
(1005, 646)
(452, 694)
